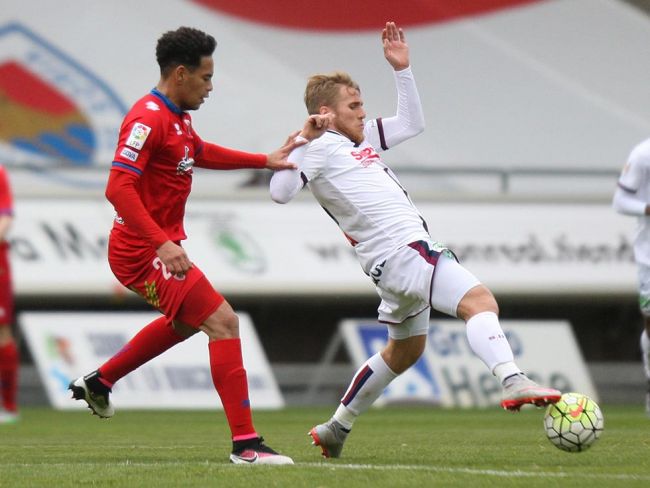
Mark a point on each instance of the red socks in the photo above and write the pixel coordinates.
(229, 378)
(151, 341)
(226, 366)
(9, 376)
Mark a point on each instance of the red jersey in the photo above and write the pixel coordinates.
(157, 143)
(156, 151)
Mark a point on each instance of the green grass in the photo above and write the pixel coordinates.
(396, 447)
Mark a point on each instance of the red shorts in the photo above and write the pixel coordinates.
(6, 287)
(190, 300)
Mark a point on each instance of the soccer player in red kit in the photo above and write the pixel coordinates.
(8, 350)
(149, 183)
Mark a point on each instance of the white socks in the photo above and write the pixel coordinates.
(488, 341)
(366, 386)
(645, 352)
(486, 338)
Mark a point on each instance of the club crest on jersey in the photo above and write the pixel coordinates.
(366, 156)
(185, 165)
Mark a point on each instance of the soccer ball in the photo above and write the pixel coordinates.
(574, 423)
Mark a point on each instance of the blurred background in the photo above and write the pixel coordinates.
(531, 107)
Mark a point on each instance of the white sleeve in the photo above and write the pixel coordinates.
(285, 184)
(626, 199)
(310, 159)
(385, 133)
(632, 175)
(627, 203)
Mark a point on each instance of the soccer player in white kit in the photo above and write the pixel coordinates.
(632, 197)
(345, 173)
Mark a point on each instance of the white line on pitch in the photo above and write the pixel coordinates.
(476, 471)
(359, 467)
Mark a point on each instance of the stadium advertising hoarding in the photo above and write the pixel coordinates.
(450, 375)
(59, 247)
(78, 91)
(67, 345)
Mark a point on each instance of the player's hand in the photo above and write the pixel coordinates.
(316, 125)
(174, 258)
(277, 160)
(396, 50)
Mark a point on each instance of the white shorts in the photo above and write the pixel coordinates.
(407, 285)
(643, 274)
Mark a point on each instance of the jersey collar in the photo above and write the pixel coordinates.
(332, 131)
(170, 105)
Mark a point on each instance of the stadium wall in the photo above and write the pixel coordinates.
(547, 85)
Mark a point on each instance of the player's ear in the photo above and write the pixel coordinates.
(324, 110)
(180, 73)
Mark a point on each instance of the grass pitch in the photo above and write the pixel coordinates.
(393, 447)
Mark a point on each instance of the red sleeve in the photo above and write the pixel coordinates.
(121, 192)
(141, 134)
(211, 156)
(6, 199)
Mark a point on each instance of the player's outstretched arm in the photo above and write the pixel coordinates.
(277, 160)
(628, 203)
(409, 119)
(396, 50)
(286, 184)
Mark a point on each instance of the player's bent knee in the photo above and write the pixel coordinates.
(476, 300)
(222, 324)
(400, 355)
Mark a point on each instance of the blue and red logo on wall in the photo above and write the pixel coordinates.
(55, 112)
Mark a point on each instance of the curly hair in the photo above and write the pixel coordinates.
(184, 46)
(323, 89)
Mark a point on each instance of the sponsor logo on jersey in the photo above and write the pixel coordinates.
(150, 105)
(366, 156)
(138, 136)
(185, 165)
(60, 112)
(128, 154)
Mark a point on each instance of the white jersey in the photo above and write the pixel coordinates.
(362, 195)
(634, 194)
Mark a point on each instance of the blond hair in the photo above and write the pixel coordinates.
(323, 90)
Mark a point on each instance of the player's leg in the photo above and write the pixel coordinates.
(9, 356)
(9, 360)
(403, 285)
(645, 354)
(643, 273)
(458, 293)
(644, 306)
(164, 292)
(405, 345)
(228, 374)
(150, 342)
